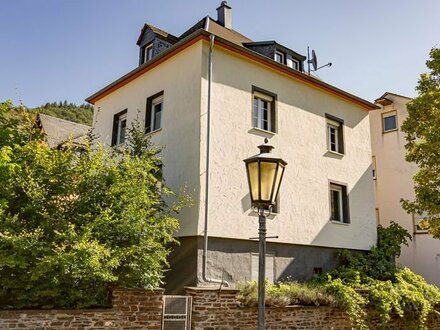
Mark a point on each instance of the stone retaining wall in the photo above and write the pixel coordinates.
(219, 309)
(132, 309)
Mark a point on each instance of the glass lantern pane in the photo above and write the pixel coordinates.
(277, 182)
(267, 179)
(253, 179)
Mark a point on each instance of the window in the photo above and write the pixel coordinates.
(339, 203)
(335, 134)
(374, 169)
(119, 127)
(279, 57)
(154, 112)
(416, 220)
(295, 64)
(148, 53)
(264, 110)
(389, 121)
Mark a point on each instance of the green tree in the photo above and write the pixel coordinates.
(422, 128)
(71, 224)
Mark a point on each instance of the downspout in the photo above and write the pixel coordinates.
(208, 136)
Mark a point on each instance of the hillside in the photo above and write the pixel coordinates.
(82, 114)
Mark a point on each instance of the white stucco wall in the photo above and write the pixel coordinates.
(301, 141)
(179, 78)
(394, 182)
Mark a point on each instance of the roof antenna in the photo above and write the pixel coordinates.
(314, 61)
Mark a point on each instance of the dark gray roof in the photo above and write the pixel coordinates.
(59, 131)
(211, 25)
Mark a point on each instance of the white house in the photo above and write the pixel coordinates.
(393, 182)
(251, 91)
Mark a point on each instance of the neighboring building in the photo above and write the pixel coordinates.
(393, 182)
(256, 90)
(58, 131)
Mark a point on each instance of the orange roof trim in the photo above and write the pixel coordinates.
(204, 35)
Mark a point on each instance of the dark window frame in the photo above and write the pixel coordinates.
(115, 132)
(148, 112)
(344, 201)
(388, 114)
(273, 108)
(340, 128)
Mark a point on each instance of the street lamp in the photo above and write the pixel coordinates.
(264, 172)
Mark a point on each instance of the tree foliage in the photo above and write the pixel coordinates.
(82, 114)
(71, 224)
(422, 128)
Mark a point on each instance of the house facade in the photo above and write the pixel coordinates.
(210, 98)
(393, 182)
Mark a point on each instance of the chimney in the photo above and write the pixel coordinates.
(224, 15)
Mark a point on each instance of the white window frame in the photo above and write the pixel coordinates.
(416, 220)
(121, 119)
(337, 188)
(154, 102)
(258, 111)
(281, 55)
(387, 115)
(147, 50)
(331, 124)
(295, 64)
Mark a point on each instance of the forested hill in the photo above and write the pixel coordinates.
(82, 114)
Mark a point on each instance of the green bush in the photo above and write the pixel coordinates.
(71, 224)
(363, 283)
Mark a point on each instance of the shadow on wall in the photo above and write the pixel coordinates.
(362, 227)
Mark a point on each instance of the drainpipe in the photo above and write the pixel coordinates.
(208, 136)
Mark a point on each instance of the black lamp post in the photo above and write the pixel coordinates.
(264, 172)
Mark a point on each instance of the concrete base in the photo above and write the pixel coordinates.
(233, 261)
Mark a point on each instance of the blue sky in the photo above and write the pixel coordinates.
(54, 50)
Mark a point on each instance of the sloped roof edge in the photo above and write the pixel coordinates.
(201, 34)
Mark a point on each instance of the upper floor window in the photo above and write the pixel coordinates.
(335, 134)
(389, 121)
(119, 127)
(263, 110)
(154, 111)
(374, 169)
(279, 57)
(148, 53)
(339, 203)
(295, 64)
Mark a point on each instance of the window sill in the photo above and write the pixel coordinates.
(389, 131)
(339, 223)
(334, 154)
(152, 132)
(256, 130)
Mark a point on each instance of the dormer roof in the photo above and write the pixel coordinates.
(161, 33)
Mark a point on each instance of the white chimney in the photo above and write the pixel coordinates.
(224, 15)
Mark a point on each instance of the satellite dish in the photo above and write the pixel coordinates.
(314, 60)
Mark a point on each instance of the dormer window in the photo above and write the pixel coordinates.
(295, 64)
(279, 57)
(148, 53)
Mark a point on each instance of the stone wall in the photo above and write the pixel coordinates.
(131, 309)
(219, 309)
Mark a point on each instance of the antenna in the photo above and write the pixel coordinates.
(314, 61)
